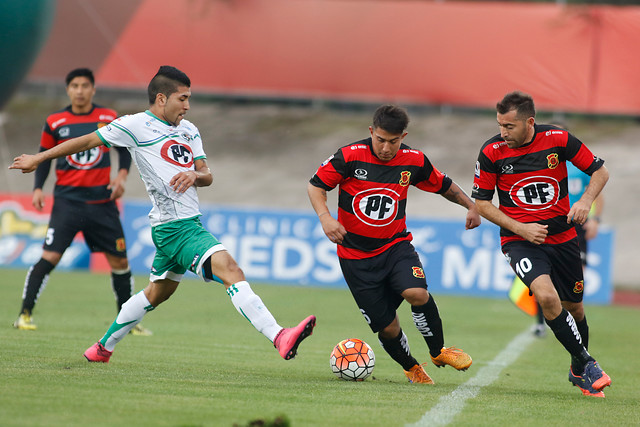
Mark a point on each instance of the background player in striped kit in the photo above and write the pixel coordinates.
(84, 197)
(378, 262)
(526, 163)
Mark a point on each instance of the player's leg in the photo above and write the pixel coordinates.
(408, 279)
(129, 316)
(63, 226)
(221, 267)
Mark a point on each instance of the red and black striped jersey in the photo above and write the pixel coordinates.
(82, 176)
(532, 179)
(372, 196)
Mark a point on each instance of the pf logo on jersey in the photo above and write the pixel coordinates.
(376, 206)
(177, 153)
(535, 192)
(85, 159)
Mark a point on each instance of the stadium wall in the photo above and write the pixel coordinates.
(283, 247)
(570, 58)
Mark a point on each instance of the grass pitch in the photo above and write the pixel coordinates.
(205, 365)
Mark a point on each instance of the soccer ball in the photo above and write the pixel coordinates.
(352, 360)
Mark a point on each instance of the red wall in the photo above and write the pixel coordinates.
(462, 53)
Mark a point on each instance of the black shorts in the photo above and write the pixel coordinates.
(377, 282)
(99, 223)
(561, 262)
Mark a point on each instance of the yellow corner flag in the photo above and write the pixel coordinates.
(519, 295)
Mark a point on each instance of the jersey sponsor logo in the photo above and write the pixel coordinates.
(535, 192)
(361, 174)
(58, 122)
(552, 161)
(499, 144)
(85, 159)
(106, 117)
(359, 147)
(578, 287)
(376, 207)
(410, 151)
(177, 153)
(418, 272)
(553, 132)
(405, 178)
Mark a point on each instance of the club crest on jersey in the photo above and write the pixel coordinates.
(376, 207)
(85, 159)
(64, 132)
(418, 272)
(535, 192)
(177, 153)
(552, 161)
(578, 287)
(405, 178)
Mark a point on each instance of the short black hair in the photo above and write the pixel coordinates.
(80, 72)
(166, 81)
(519, 101)
(391, 118)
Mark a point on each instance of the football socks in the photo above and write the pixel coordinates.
(398, 349)
(565, 329)
(253, 309)
(36, 281)
(130, 315)
(427, 319)
(122, 285)
(583, 328)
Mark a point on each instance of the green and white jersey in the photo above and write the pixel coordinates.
(160, 151)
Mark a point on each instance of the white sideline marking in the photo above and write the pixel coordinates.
(452, 404)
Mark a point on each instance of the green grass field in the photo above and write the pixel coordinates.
(206, 366)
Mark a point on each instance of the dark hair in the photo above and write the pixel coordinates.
(80, 72)
(519, 101)
(391, 118)
(166, 81)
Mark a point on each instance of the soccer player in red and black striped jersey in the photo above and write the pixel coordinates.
(84, 196)
(378, 261)
(526, 162)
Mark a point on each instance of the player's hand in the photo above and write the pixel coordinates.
(534, 232)
(333, 229)
(579, 212)
(37, 201)
(473, 218)
(25, 162)
(182, 181)
(117, 189)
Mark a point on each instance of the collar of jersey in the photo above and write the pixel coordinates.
(158, 118)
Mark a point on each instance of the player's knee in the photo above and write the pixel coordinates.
(416, 296)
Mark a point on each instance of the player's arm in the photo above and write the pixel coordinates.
(579, 212)
(533, 232)
(331, 227)
(28, 163)
(42, 172)
(200, 177)
(455, 194)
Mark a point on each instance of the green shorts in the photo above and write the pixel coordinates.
(180, 246)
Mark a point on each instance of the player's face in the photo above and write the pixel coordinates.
(80, 92)
(385, 144)
(176, 106)
(515, 131)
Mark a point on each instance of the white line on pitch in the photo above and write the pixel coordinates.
(451, 405)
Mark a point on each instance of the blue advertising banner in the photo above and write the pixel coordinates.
(284, 247)
(291, 248)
